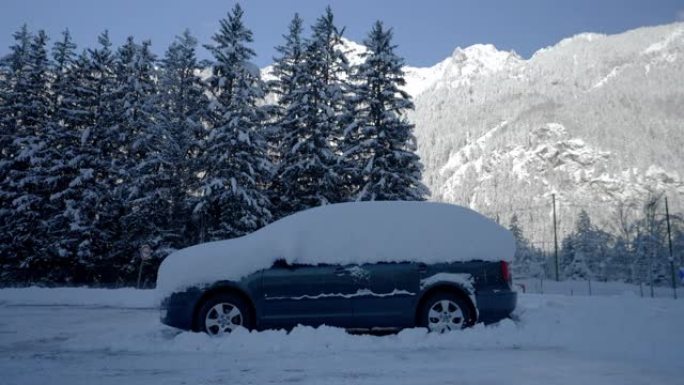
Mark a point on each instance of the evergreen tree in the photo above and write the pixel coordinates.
(91, 208)
(183, 104)
(573, 264)
(601, 257)
(137, 158)
(651, 262)
(288, 70)
(586, 251)
(165, 151)
(678, 242)
(63, 56)
(620, 262)
(310, 171)
(59, 155)
(566, 254)
(528, 262)
(28, 192)
(13, 73)
(574, 250)
(13, 69)
(379, 145)
(233, 199)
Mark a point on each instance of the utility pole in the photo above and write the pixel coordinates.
(555, 236)
(669, 241)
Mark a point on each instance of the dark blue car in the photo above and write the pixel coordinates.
(377, 296)
(362, 266)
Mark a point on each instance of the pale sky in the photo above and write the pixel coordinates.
(426, 31)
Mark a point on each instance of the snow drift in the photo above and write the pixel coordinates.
(346, 233)
(557, 339)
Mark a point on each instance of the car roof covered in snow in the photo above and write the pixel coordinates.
(345, 233)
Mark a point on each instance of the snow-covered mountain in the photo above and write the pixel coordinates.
(460, 69)
(598, 120)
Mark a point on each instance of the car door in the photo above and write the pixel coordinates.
(307, 295)
(389, 294)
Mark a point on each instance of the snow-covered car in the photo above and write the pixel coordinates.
(365, 265)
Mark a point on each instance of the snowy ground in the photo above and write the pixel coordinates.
(589, 288)
(87, 336)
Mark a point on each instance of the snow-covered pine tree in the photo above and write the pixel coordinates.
(28, 192)
(310, 172)
(585, 253)
(573, 262)
(288, 69)
(529, 261)
(63, 58)
(138, 159)
(60, 155)
(578, 269)
(182, 105)
(573, 250)
(566, 255)
(621, 261)
(650, 253)
(234, 201)
(13, 69)
(593, 244)
(601, 257)
(91, 210)
(678, 241)
(379, 146)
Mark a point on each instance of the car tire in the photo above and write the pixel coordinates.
(445, 311)
(222, 313)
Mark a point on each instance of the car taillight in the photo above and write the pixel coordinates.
(505, 272)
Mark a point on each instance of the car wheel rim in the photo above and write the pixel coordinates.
(223, 318)
(444, 316)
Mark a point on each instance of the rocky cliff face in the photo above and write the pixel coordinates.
(597, 120)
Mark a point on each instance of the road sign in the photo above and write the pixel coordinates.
(681, 274)
(145, 252)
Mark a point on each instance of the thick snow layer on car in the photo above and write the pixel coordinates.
(347, 233)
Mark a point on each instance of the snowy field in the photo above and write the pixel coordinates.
(89, 336)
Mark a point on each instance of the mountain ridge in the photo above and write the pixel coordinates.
(595, 119)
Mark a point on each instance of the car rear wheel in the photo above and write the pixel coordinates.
(223, 313)
(444, 312)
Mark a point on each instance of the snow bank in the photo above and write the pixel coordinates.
(591, 288)
(79, 296)
(559, 340)
(346, 233)
(617, 327)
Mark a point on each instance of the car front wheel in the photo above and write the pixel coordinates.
(444, 312)
(223, 313)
